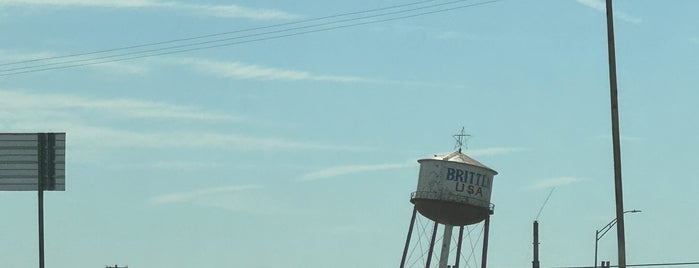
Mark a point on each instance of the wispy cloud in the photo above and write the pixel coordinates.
(35, 112)
(231, 11)
(182, 197)
(554, 182)
(694, 40)
(208, 140)
(351, 169)
(448, 35)
(19, 104)
(184, 165)
(86, 136)
(494, 151)
(337, 171)
(238, 70)
(236, 198)
(599, 5)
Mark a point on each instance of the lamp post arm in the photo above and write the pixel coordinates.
(611, 224)
(606, 229)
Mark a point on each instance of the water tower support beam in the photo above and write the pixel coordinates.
(429, 254)
(446, 245)
(486, 229)
(458, 246)
(407, 240)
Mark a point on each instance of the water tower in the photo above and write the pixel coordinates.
(452, 190)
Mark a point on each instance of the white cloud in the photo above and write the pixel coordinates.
(236, 198)
(599, 5)
(240, 70)
(448, 35)
(83, 119)
(20, 105)
(554, 182)
(197, 194)
(231, 11)
(354, 169)
(494, 151)
(84, 136)
(182, 165)
(351, 169)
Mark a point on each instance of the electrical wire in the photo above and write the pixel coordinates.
(276, 34)
(644, 265)
(217, 34)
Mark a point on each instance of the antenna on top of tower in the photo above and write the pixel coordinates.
(461, 138)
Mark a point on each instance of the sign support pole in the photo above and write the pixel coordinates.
(41, 153)
(33, 162)
(41, 227)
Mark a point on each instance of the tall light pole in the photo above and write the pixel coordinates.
(619, 196)
(601, 232)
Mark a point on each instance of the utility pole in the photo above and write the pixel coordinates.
(619, 196)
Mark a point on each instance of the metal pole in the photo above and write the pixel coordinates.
(535, 262)
(621, 240)
(458, 246)
(41, 157)
(596, 242)
(446, 244)
(41, 228)
(429, 255)
(485, 241)
(407, 240)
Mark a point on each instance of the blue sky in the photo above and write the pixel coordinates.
(301, 151)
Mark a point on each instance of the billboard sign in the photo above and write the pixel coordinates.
(32, 161)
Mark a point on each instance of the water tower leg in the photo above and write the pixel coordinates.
(458, 246)
(429, 254)
(486, 230)
(446, 243)
(407, 240)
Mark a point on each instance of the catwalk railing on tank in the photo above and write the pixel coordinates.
(449, 197)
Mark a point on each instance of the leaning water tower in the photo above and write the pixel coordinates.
(453, 190)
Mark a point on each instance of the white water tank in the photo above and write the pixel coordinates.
(454, 189)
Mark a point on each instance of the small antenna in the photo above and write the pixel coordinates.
(461, 138)
(544, 204)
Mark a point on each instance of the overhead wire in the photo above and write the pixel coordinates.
(216, 34)
(209, 44)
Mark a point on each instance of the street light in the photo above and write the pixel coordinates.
(601, 232)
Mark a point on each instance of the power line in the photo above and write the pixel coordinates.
(215, 34)
(256, 37)
(642, 265)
